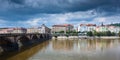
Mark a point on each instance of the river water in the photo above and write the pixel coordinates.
(71, 50)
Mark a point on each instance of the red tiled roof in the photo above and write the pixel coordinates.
(87, 24)
(91, 25)
(64, 25)
(67, 24)
(82, 24)
(58, 26)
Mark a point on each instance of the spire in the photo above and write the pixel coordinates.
(102, 24)
(43, 25)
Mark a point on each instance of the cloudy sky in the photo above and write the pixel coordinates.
(29, 13)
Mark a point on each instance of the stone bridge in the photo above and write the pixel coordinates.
(10, 42)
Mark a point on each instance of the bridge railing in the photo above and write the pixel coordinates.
(16, 34)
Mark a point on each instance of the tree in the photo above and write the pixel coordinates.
(68, 32)
(108, 33)
(113, 33)
(98, 34)
(61, 32)
(119, 33)
(116, 24)
(73, 33)
(67, 35)
(90, 33)
(95, 33)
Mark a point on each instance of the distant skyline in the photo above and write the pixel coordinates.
(30, 13)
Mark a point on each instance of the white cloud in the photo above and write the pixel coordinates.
(2, 21)
(33, 22)
(65, 18)
(100, 19)
(60, 18)
(51, 19)
(105, 20)
(79, 17)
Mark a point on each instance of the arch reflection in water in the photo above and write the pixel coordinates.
(25, 54)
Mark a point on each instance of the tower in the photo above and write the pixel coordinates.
(102, 24)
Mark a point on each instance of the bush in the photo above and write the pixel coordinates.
(107, 33)
(90, 33)
(119, 33)
(61, 32)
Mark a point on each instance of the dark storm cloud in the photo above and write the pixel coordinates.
(16, 1)
(23, 9)
(57, 6)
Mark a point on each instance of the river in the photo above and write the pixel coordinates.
(70, 50)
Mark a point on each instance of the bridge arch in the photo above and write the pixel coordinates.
(41, 36)
(7, 44)
(24, 40)
(35, 37)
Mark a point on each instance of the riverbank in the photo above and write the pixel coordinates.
(107, 37)
(65, 37)
(86, 37)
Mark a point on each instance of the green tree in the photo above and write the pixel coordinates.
(113, 34)
(95, 33)
(119, 33)
(61, 32)
(73, 33)
(98, 34)
(89, 33)
(108, 33)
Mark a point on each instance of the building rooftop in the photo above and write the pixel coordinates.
(63, 25)
(87, 24)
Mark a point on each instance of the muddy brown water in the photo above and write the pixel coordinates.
(70, 50)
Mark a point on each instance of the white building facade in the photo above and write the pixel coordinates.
(102, 28)
(86, 27)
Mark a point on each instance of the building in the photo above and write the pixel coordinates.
(115, 29)
(13, 30)
(42, 29)
(102, 28)
(86, 27)
(19, 30)
(64, 27)
(91, 27)
(32, 30)
(110, 28)
(5, 30)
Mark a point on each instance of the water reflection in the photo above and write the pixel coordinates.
(71, 50)
(64, 45)
(24, 54)
(83, 45)
(95, 45)
(80, 50)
